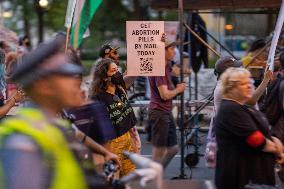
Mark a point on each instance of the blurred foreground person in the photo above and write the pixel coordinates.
(246, 150)
(37, 149)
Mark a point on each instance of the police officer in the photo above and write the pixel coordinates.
(37, 150)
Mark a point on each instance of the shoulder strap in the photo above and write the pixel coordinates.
(122, 90)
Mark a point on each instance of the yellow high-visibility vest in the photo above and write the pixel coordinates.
(31, 122)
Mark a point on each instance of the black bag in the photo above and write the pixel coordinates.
(271, 102)
(93, 120)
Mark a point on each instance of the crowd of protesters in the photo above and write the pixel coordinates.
(247, 130)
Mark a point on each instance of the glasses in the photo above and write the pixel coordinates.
(108, 51)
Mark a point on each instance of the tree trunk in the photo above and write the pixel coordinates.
(137, 9)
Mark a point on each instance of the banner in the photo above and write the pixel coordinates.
(145, 50)
(84, 12)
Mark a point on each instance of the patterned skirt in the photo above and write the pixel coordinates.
(118, 146)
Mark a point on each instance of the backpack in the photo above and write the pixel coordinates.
(271, 102)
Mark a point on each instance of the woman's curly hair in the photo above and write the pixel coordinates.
(99, 83)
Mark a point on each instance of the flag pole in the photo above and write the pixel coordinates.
(68, 20)
(276, 34)
(181, 122)
(201, 40)
(67, 38)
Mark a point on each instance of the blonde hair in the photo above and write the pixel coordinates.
(230, 78)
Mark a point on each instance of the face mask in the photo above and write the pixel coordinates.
(117, 79)
(27, 43)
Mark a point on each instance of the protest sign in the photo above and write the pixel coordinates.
(145, 50)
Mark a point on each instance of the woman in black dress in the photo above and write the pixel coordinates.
(246, 150)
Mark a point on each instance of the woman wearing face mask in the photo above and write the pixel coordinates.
(108, 86)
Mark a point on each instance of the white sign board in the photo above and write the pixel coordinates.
(145, 50)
